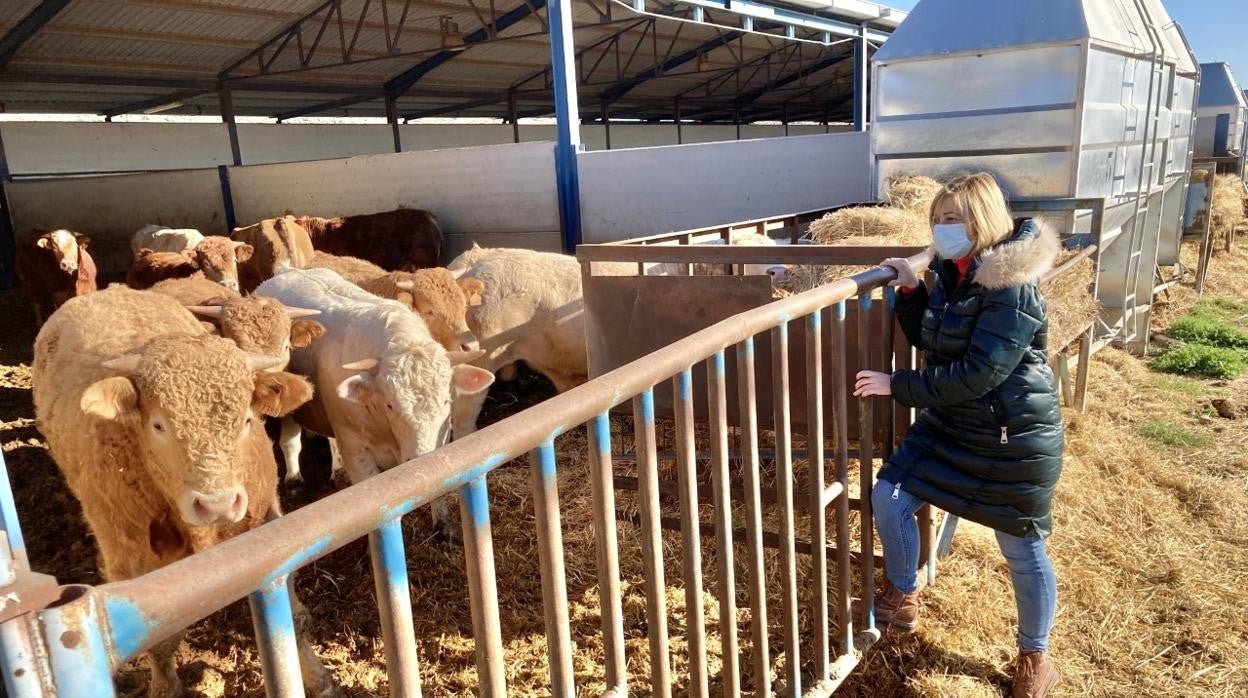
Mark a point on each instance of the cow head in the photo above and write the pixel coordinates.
(64, 246)
(192, 403)
(262, 325)
(413, 390)
(218, 257)
(442, 302)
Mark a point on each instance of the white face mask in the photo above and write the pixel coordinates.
(951, 240)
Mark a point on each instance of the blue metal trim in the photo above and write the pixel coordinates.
(128, 627)
(18, 661)
(546, 463)
(393, 556)
(227, 198)
(685, 384)
(275, 635)
(476, 496)
(75, 642)
(30, 25)
(567, 118)
(401, 83)
(8, 514)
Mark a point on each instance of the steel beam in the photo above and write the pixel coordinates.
(140, 105)
(623, 87)
(324, 106)
(227, 116)
(567, 119)
(392, 117)
(30, 25)
(789, 18)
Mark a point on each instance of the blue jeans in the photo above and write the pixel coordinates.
(1035, 583)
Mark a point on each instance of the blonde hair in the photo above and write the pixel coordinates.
(984, 210)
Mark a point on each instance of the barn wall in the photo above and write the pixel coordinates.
(53, 147)
(111, 208)
(648, 191)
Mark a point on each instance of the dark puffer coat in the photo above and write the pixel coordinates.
(987, 445)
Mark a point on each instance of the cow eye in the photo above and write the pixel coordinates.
(159, 427)
(390, 407)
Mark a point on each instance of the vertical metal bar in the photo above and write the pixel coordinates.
(8, 238)
(394, 605)
(927, 542)
(513, 117)
(784, 483)
(866, 463)
(887, 352)
(80, 663)
(606, 125)
(227, 197)
(680, 131)
(817, 507)
(840, 412)
(474, 515)
(652, 543)
(227, 117)
(567, 120)
(784, 117)
(736, 120)
(754, 517)
(861, 69)
(608, 555)
(1081, 373)
(20, 658)
(726, 591)
(9, 522)
(554, 577)
(691, 533)
(275, 635)
(392, 117)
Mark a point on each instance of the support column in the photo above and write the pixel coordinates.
(784, 117)
(513, 116)
(736, 119)
(567, 120)
(680, 136)
(606, 125)
(392, 116)
(227, 117)
(8, 241)
(862, 67)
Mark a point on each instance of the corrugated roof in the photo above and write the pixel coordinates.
(285, 57)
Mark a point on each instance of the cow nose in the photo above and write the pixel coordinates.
(468, 342)
(203, 509)
(780, 274)
(231, 284)
(69, 267)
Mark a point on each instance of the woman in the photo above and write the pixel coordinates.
(987, 443)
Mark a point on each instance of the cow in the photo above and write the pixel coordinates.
(150, 268)
(384, 387)
(531, 310)
(54, 267)
(160, 238)
(440, 299)
(277, 243)
(256, 324)
(401, 240)
(218, 258)
(152, 421)
(353, 269)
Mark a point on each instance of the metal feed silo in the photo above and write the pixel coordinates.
(1222, 118)
(1059, 99)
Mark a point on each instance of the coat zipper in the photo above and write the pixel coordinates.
(998, 411)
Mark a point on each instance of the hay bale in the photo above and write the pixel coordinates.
(913, 193)
(862, 226)
(1071, 306)
(1227, 209)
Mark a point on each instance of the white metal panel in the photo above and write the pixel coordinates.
(50, 147)
(1049, 128)
(489, 189)
(1020, 175)
(647, 191)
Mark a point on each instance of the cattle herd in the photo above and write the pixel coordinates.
(151, 394)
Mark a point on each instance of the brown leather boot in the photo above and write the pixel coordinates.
(1034, 675)
(893, 608)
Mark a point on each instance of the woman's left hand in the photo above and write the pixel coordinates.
(873, 383)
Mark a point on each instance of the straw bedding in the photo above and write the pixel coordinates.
(1148, 548)
(913, 193)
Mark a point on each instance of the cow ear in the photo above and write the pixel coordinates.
(406, 298)
(278, 394)
(473, 290)
(304, 332)
(112, 398)
(470, 380)
(356, 388)
(144, 252)
(421, 303)
(208, 326)
(43, 243)
(243, 251)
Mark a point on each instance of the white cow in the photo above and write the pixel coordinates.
(384, 387)
(162, 238)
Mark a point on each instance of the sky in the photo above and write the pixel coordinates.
(1215, 29)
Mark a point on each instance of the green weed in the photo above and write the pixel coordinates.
(1167, 434)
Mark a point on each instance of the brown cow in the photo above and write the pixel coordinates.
(352, 269)
(276, 243)
(54, 267)
(401, 240)
(218, 258)
(150, 268)
(440, 299)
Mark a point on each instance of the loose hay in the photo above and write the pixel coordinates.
(1227, 209)
(865, 226)
(913, 193)
(1070, 304)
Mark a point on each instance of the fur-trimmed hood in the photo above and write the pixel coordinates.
(1023, 258)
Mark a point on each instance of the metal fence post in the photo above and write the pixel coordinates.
(567, 120)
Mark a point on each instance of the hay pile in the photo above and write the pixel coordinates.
(1227, 210)
(913, 193)
(861, 226)
(1071, 306)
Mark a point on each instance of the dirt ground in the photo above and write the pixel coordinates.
(1149, 548)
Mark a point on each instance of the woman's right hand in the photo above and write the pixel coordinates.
(906, 278)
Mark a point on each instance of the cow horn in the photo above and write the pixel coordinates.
(296, 313)
(125, 364)
(463, 357)
(213, 311)
(458, 272)
(405, 284)
(260, 362)
(361, 365)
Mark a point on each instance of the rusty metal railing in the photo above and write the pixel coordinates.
(72, 647)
